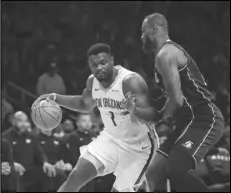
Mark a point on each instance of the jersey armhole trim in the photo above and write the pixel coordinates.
(183, 68)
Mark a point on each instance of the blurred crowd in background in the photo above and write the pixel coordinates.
(44, 47)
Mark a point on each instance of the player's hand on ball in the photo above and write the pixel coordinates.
(130, 103)
(49, 169)
(51, 97)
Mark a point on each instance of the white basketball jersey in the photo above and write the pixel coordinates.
(119, 124)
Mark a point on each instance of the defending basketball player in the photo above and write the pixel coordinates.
(127, 144)
(199, 122)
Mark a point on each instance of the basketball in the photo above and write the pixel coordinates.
(47, 115)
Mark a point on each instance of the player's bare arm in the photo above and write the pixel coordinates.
(138, 103)
(83, 103)
(168, 62)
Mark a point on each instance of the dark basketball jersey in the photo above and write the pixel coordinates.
(193, 85)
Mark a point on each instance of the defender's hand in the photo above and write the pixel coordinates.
(130, 103)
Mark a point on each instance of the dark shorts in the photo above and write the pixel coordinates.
(196, 132)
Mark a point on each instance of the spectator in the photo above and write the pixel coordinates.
(108, 31)
(215, 170)
(51, 82)
(7, 167)
(84, 124)
(6, 108)
(72, 141)
(56, 153)
(69, 126)
(97, 124)
(29, 160)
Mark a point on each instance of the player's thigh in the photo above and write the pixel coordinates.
(183, 120)
(131, 169)
(156, 173)
(129, 175)
(102, 153)
(200, 136)
(156, 166)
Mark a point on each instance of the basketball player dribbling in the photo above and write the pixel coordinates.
(199, 123)
(127, 144)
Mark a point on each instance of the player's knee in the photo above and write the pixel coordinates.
(83, 172)
(156, 167)
(156, 172)
(73, 176)
(179, 162)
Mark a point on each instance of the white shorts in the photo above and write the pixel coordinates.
(128, 164)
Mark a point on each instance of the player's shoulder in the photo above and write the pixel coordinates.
(134, 76)
(133, 81)
(168, 51)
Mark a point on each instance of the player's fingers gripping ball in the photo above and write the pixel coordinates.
(51, 97)
(46, 115)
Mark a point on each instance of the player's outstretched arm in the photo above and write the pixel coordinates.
(167, 66)
(138, 102)
(83, 103)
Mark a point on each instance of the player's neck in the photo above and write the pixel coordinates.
(160, 43)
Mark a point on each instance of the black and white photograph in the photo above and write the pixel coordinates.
(115, 96)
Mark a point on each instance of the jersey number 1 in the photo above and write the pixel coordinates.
(113, 118)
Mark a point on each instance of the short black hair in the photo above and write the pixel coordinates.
(99, 48)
